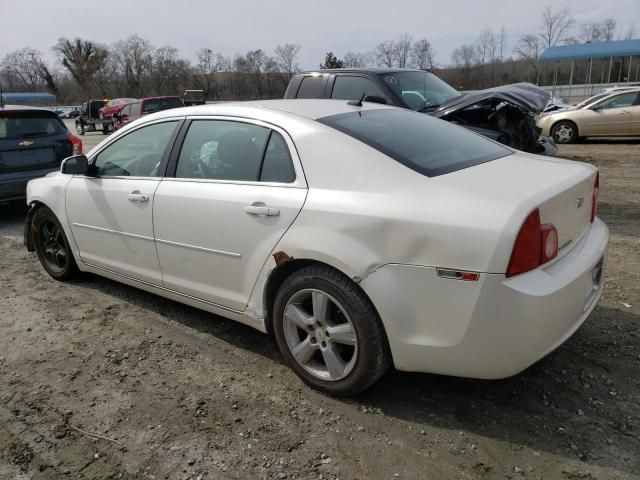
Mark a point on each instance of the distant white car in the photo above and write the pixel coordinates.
(361, 236)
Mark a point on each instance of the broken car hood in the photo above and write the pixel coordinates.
(524, 95)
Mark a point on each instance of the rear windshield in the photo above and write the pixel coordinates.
(158, 104)
(29, 124)
(425, 144)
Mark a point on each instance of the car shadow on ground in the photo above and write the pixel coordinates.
(561, 405)
(12, 215)
(611, 140)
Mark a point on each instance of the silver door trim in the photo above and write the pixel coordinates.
(202, 249)
(117, 232)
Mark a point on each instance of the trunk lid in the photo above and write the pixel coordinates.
(501, 194)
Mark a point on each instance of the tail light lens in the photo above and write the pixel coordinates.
(535, 244)
(76, 144)
(594, 197)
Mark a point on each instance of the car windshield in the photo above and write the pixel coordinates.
(420, 91)
(425, 144)
(158, 104)
(590, 100)
(29, 124)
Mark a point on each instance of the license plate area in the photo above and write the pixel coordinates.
(596, 282)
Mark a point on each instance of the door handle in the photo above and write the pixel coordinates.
(138, 197)
(262, 210)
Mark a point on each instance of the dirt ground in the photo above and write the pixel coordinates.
(100, 380)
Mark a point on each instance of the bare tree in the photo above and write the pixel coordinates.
(134, 56)
(608, 28)
(24, 69)
(422, 55)
(287, 58)
(502, 44)
(529, 50)
(170, 72)
(590, 32)
(629, 34)
(356, 60)
(82, 58)
(464, 58)
(207, 68)
(385, 54)
(402, 49)
(255, 61)
(555, 25)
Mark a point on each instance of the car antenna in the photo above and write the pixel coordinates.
(357, 103)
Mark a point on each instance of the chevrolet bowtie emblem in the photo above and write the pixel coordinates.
(579, 201)
(25, 143)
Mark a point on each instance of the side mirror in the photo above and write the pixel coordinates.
(78, 165)
(75, 165)
(595, 108)
(375, 99)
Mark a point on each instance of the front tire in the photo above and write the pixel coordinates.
(80, 128)
(564, 132)
(328, 331)
(52, 246)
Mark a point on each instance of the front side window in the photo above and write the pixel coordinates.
(619, 101)
(352, 88)
(135, 109)
(425, 144)
(227, 150)
(137, 154)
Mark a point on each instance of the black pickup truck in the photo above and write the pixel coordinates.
(505, 114)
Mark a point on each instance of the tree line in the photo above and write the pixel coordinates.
(133, 67)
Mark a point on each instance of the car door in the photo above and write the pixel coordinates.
(237, 188)
(634, 124)
(111, 215)
(611, 116)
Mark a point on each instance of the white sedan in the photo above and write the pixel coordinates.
(360, 235)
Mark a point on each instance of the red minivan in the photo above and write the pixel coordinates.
(144, 106)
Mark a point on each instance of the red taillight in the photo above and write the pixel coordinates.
(76, 144)
(594, 197)
(535, 244)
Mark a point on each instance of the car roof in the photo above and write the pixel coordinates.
(309, 108)
(23, 108)
(370, 70)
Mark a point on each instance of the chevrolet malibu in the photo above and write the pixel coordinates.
(360, 235)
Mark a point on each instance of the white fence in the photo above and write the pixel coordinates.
(579, 92)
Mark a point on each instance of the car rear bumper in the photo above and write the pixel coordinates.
(13, 186)
(491, 328)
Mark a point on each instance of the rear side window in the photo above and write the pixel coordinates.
(352, 88)
(277, 165)
(310, 87)
(158, 104)
(29, 124)
(425, 144)
(227, 150)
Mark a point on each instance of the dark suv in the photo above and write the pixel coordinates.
(505, 114)
(33, 142)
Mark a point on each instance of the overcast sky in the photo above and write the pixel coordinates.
(234, 26)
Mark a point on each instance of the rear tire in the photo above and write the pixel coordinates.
(52, 246)
(80, 128)
(333, 328)
(565, 132)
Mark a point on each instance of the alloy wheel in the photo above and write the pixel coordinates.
(53, 244)
(320, 335)
(563, 133)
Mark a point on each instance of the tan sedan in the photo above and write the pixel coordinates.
(607, 114)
